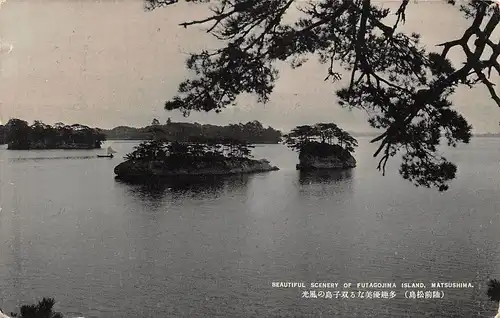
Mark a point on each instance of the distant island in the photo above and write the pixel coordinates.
(19, 135)
(252, 132)
(494, 135)
(155, 160)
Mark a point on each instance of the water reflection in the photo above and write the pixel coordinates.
(185, 187)
(324, 176)
(17, 269)
(326, 183)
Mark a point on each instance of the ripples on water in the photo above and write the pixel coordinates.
(210, 247)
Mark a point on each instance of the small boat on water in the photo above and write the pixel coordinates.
(109, 153)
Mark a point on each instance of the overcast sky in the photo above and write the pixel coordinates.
(111, 63)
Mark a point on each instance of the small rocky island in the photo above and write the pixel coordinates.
(157, 159)
(322, 146)
(19, 135)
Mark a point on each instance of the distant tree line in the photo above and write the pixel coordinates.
(18, 134)
(251, 132)
(312, 138)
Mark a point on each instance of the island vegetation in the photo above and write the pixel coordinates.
(155, 159)
(493, 293)
(322, 146)
(19, 135)
(43, 309)
(251, 132)
(2, 135)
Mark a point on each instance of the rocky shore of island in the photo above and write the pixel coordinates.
(341, 159)
(134, 170)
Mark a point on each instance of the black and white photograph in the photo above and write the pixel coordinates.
(249, 158)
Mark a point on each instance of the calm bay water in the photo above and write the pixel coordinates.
(104, 248)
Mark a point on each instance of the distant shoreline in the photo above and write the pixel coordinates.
(487, 135)
(251, 132)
